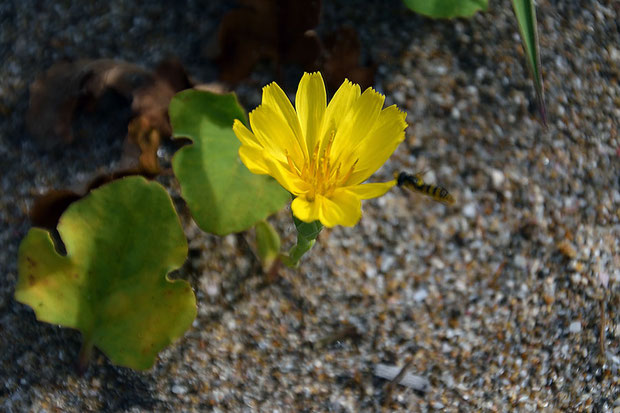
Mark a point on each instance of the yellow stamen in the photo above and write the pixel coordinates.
(322, 176)
(291, 164)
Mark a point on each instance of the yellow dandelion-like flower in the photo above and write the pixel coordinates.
(322, 153)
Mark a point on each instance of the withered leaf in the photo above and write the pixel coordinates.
(141, 145)
(277, 30)
(57, 94)
(342, 60)
(48, 207)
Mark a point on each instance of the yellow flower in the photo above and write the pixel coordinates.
(322, 153)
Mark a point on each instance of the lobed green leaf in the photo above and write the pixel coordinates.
(121, 241)
(222, 194)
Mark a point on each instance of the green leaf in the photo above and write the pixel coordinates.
(222, 194)
(268, 243)
(525, 10)
(121, 241)
(447, 8)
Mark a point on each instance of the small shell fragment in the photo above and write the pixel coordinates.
(389, 372)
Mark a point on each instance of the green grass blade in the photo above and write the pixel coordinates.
(526, 17)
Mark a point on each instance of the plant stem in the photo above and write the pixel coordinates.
(294, 255)
(84, 356)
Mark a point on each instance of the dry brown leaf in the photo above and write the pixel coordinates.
(277, 30)
(282, 31)
(57, 94)
(151, 100)
(48, 207)
(141, 145)
(342, 60)
(213, 87)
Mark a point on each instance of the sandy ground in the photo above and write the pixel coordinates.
(497, 303)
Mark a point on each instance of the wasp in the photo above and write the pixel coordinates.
(415, 183)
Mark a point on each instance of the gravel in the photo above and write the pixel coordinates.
(497, 302)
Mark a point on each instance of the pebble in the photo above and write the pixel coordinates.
(497, 178)
(420, 295)
(520, 261)
(575, 327)
(179, 389)
(469, 210)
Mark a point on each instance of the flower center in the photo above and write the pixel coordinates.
(319, 172)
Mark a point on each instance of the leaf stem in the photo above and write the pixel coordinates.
(294, 255)
(84, 356)
(307, 232)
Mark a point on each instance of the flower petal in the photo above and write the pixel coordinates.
(358, 121)
(368, 191)
(289, 181)
(382, 140)
(310, 102)
(341, 208)
(307, 211)
(244, 134)
(339, 106)
(252, 158)
(361, 137)
(274, 97)
(274, 134)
